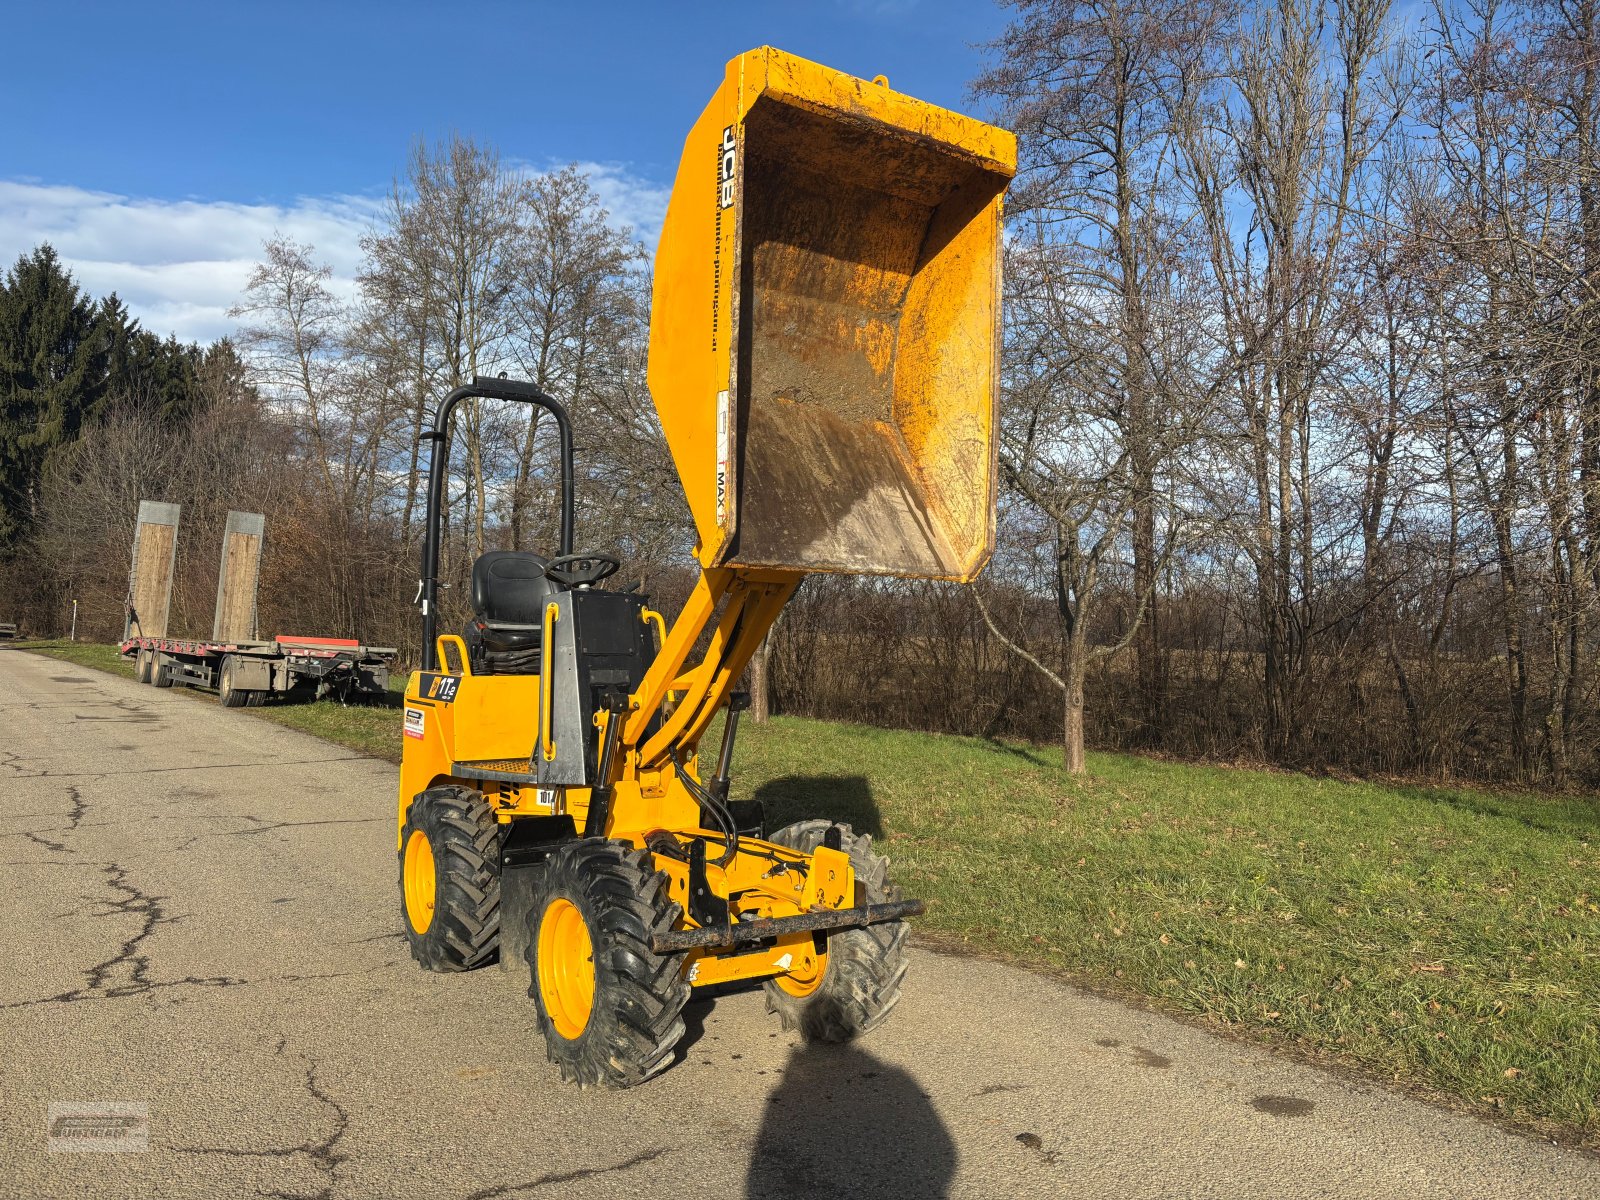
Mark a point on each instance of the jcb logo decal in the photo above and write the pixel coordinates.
(727, 159)
(440, 687)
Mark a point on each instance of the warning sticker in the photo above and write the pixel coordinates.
(415, 719)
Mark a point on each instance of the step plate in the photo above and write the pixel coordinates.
(509, 770)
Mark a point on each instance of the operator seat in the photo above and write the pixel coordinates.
(509, 591)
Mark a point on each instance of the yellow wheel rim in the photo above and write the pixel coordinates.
(566, 968)
(805, 972)
(420, 881)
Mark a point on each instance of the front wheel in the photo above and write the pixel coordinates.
(610, 1009)
(856, 982)
(143, 666)
(450, 879)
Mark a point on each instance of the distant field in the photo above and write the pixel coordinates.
(1445, 939)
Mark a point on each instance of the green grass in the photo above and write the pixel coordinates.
(1445, 939)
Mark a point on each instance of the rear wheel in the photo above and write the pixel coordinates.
(450, 879)
(228, 691)
(158, 670)
(142, 665)
(855, 981)
(610, 1009)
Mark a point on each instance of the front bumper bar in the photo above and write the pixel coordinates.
(717, 937)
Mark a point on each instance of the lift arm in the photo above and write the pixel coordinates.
(750, 602)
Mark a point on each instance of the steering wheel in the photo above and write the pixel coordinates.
(582, 570)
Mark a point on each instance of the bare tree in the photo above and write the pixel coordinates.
(1075, 491)
(296, 338)
(448, 248)
(293, 338)
(578, 313)
(1089, 85)
(1273, 164)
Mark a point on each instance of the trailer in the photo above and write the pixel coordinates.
(243, 669)
(248, 672)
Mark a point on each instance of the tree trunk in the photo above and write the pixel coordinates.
(1074, 670)
(759, 706)
(1072, 756)
(1147, 641)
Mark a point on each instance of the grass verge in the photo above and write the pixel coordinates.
(1439, 938)
(1448, 940)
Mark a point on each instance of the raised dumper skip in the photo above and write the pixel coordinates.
(823, 358)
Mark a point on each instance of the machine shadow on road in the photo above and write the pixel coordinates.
(846, 798)
(844, 1124)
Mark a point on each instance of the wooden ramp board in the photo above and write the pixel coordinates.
(238, 578)
(155, 548)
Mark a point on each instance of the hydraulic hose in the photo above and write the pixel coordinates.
(709, 803)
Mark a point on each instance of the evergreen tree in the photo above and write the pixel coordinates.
(158, 376)
(221, 376)
(53, 357)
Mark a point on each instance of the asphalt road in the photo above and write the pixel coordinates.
(200, 915)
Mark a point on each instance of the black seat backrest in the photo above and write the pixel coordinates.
(510, 586)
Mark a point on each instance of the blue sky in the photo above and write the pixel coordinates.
(157, 144)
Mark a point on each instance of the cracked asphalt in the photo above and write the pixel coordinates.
(200, 914)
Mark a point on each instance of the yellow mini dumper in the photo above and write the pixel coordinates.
(823, 357)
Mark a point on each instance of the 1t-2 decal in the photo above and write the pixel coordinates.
(439, 687)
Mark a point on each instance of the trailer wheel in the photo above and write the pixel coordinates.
(142, 665)
(158, 670)
(450, 879)
(610, 1009)
(858, 979)
(230, 695)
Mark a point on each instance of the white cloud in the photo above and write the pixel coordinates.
(631, 200)
(179, 265)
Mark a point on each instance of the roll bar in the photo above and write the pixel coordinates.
(439, 435)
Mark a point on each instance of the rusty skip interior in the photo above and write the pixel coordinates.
(867, 337)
